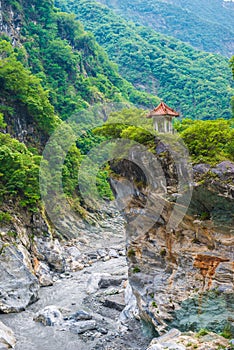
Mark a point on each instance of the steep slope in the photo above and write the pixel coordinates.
(194, 82)
(181, 272)
(52, 70)
(207, 25)
(69, 62)
(71, 71)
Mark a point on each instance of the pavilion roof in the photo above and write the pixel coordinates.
(162, 109)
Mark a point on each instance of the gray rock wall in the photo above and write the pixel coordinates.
(183, 277)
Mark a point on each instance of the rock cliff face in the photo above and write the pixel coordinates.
(21, 124)
(10, 22)
(183, 277)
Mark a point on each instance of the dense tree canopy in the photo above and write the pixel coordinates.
(208, 141)
(18, 85)
(196, 83)
(205, 24)
(60, 69)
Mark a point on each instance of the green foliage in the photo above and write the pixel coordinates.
(202, 23)
(2, 123)
(131, 253)
(103, 185)
(70, 63)
(232, 67)
(89, 140)
(196, 83)
(129, 124)
(19, 172)
(209, 141)
(202, 332)
(5, 218)
(227, 332)
(138, 134)
(163, 253)
(19, 86)
(136, 269)
(70, 171)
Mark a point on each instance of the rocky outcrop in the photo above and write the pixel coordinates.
(182, 276)
(10, 22)
(175, 340)
(18, 285)
(7, 338)
(32, 255)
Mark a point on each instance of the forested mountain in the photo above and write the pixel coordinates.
(69, 62)
(51, 68)
(205, 24)
(87, 185)
(196, 83)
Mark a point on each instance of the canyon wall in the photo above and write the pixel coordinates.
(182, 277)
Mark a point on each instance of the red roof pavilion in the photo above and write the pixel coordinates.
(161, 110)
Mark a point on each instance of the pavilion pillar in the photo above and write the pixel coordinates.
(170, 126)
(165, 125)
(156, 125)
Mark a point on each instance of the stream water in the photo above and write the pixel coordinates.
(79, 291)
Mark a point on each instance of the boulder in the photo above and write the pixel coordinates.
(81, 316)
(106, 282)
(83, 326)
(43, 273)
(76, 266)
(224, 170)
(115, 302)
(102, 253)
(18, 286)
(51, 252)
(49, 316)
(93, 281)
(113, 253)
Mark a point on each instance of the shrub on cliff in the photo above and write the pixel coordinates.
(208, 141)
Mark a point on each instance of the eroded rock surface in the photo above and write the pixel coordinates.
(18, 285)
(175, 340)
(7, 338)
(182, 277)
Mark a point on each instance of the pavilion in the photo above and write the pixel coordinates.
(163, 116)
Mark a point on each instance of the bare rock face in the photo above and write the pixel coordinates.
(51, 252)
(182, 277)
(18, 285)
(7, 338)
(11, 24)
(176, 340)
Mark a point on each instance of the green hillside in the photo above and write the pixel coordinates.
(56, 70)
(196, 83)
(205, 24)
(69, 62)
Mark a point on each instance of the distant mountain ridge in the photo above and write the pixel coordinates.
(205, 24)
